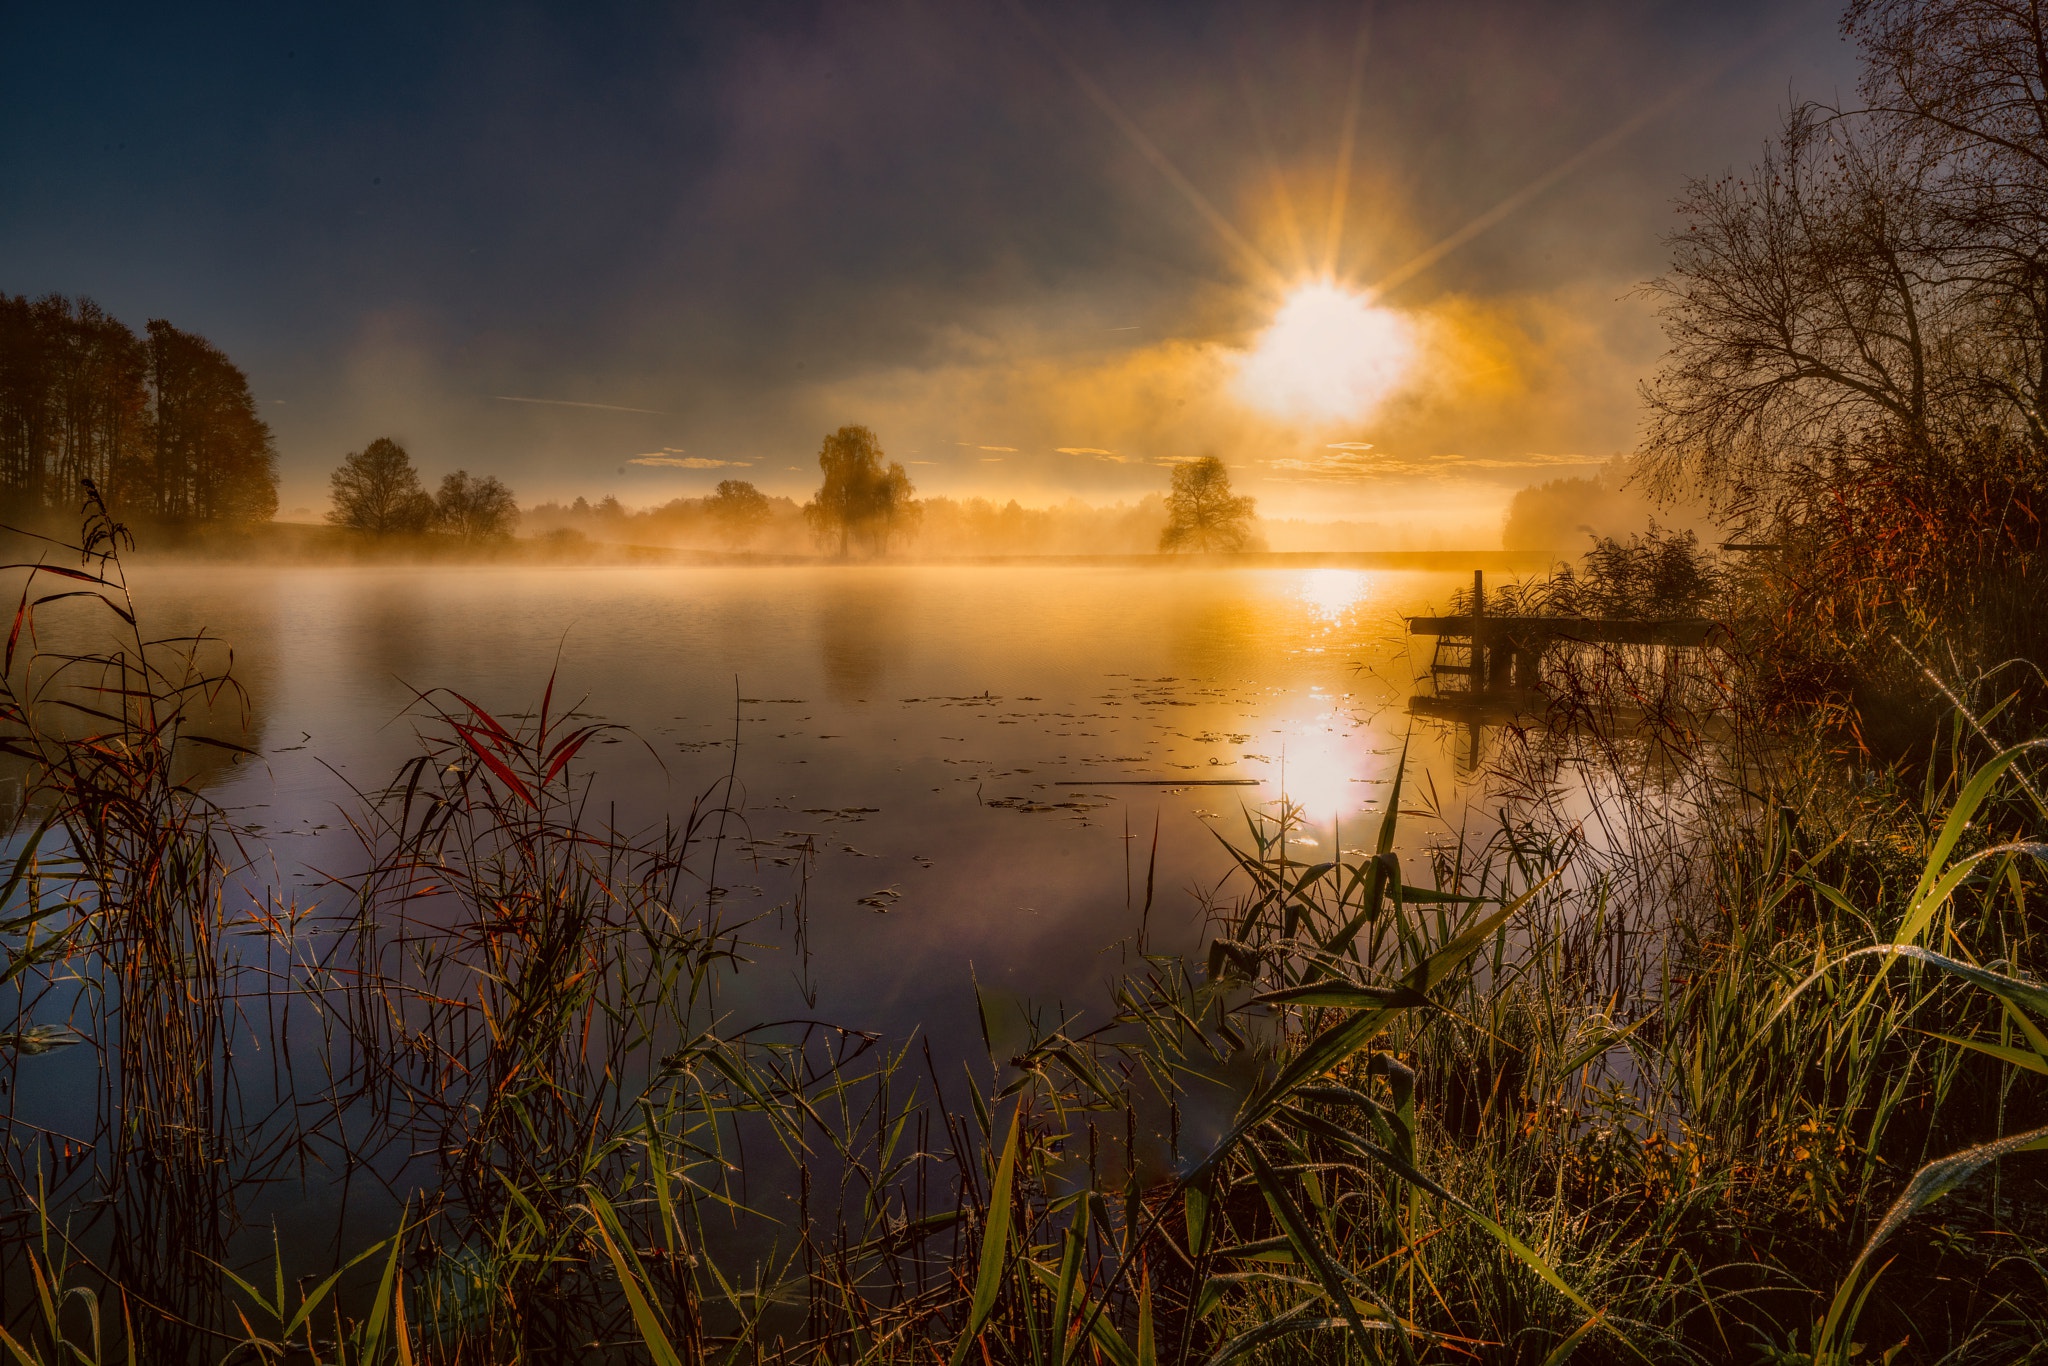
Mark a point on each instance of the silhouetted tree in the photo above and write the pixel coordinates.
(73, 381)
(1202, 514)
(739, 510)
(475, 509)
(377, 490)
(164, 427)
(214, 459)
(1858, 369)
(861, 497)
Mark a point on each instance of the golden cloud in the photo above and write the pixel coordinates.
(687, 462)
(1498, 387)
(1362, 461)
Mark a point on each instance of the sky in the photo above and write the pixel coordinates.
(1385, 260)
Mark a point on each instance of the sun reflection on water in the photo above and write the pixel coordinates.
(1333, 594)
(1321, 757)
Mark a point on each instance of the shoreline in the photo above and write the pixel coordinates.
(291, 543)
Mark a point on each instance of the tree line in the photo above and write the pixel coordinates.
(162, 423)
(867, 500)
(866, 503)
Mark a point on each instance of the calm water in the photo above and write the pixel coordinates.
(945, 735)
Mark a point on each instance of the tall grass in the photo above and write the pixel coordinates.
(104, 738)
(1698, 1049)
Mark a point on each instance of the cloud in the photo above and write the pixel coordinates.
(1362, 462)
(972, 447)
(1501, 378)
(1531, 461)
(572, 403)
(688, 462)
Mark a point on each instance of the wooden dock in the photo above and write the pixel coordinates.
(1502, 656)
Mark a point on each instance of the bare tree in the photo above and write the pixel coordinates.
(1873, 295)
(1859, 351)
(1964, 84)
(1202, 514)
(1808, 304)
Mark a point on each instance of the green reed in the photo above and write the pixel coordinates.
(1724, 1065)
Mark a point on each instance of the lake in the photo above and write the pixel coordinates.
(960, 745)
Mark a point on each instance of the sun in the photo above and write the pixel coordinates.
(1330, 355)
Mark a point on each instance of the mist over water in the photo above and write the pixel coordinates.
(958, 745)
(959, 773)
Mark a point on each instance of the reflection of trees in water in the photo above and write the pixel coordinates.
(863, 626)
(228, 707)
(385, 629)
(234, 714)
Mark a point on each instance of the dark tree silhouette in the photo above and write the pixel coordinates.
(1858, 370)
(739, 510)
(164, 426)
(1871, 298)
(861, 497)
(377, 490)
(214, 456)
(475, 509)
(1202, 515)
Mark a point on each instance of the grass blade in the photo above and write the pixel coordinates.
(995, 1239)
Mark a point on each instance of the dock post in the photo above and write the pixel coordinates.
(1479, 641)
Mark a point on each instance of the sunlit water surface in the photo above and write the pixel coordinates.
(981, 759)
(945, 737)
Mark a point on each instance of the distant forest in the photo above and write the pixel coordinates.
(969, 526)
(1566, 516)
(944, 526)
(162, 422)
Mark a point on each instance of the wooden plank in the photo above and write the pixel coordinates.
(1485, 708)
(1586, 630)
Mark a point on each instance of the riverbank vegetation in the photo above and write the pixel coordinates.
(865, 506)
(1676, 1053)
(1716, 1030)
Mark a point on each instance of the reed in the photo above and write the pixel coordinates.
(1701, 1048)
(104, 737)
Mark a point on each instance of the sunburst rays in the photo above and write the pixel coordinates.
(1329, 263)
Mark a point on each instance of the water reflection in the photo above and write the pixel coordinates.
(1333, 595)
(863, 626)
(1211, 628)
(1319, 759)
(962, 747)
(213, 651)
(384, 623)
